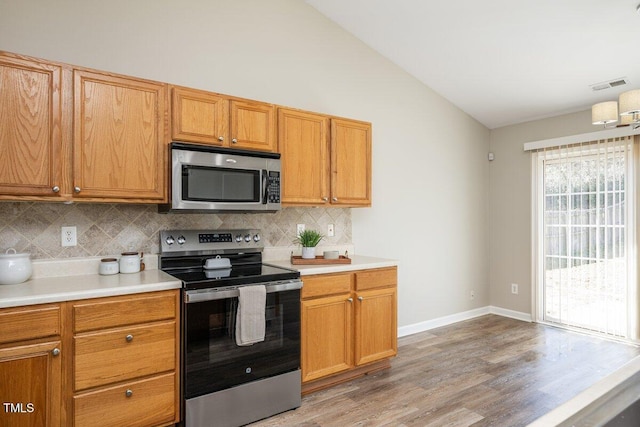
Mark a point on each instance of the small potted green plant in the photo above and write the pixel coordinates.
(309, 239)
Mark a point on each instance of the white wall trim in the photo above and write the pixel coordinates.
(459, 317)
(504, 312)
(442, 321)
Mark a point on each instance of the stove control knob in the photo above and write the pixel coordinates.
(170, 240)
(238, 238)
(181, 240)
(247, 238)
(256, 238)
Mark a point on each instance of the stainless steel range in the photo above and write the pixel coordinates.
(225, 383)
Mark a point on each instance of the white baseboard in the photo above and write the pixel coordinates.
(459, 317)
(525, 317)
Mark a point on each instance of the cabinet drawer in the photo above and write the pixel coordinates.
(326, 284)
(19, 324)
(119, 311)
(139, 403)
(377, 278)
(105, 357)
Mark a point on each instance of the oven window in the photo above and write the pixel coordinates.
(209, 184)
(214, 362)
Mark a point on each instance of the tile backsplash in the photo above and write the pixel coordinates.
(109, 229)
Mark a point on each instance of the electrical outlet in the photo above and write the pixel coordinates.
(514, 288)
(299, 229)
(68, 236)
(330, 231)
(472, 295)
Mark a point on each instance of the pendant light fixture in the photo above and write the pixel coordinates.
(628, 108)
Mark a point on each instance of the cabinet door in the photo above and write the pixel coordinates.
(350, 163)
(304, 145)
(198, 116)
(253, 126)
(376, 331)
(31, 385)
(30, 127)
(326, 336)
(119, 138)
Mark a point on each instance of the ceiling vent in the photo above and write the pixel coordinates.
(607, 85)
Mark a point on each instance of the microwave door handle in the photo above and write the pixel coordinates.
(265, 187)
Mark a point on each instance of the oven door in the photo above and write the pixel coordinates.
(212, 359)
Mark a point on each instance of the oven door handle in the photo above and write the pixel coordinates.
(200, 295)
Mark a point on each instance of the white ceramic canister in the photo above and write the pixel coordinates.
(108, 266)
(14, 267)
(129, 262)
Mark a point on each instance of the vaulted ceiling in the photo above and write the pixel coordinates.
(503, 61)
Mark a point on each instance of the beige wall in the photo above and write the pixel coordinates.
(430, 174)
(510, 204)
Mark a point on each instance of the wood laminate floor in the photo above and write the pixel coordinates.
(488, 371)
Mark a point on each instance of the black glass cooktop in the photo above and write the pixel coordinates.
(197, 278)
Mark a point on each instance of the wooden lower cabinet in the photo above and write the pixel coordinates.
(30, 366)
(126, 353)
(349, 325)
(326, 336)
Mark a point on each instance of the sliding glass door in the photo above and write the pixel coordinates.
(585, 235)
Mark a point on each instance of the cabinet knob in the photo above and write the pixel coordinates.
(234, 140)
(350, 299)
(335, 199)
(325, 199)
(221, 138)
(129, 338)
(76, 189)
(360, 298)
(55, 189)
(128, 393)
(55, 351)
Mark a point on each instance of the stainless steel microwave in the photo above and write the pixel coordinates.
(211, 179)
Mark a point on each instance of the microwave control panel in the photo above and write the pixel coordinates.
(274, 187)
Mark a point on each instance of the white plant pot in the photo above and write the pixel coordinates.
(309, 253)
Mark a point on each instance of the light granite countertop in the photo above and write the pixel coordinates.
(74, 279)
(68, 288)
(358, 262)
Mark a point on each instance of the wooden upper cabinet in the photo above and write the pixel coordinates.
(253, 126)
(213, 119)
(30, 127)
(198, 116)
(119, 138)
(350, 163)
(304, 147)
(325, 161)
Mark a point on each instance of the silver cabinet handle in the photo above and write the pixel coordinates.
(129, 338)
(76, 189)
(55, 351)
(221, 138)
(234, 140)
(360, 298)
(325, 199)
(335, 199)
(128, 393)
(55, 189)
(350, 299)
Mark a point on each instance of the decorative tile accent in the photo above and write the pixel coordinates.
(110, 229)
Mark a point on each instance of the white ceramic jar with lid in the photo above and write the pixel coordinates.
(108, 266)
(14, 267)
(129, 262)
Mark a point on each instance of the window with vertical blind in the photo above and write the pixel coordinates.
(584, 236)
